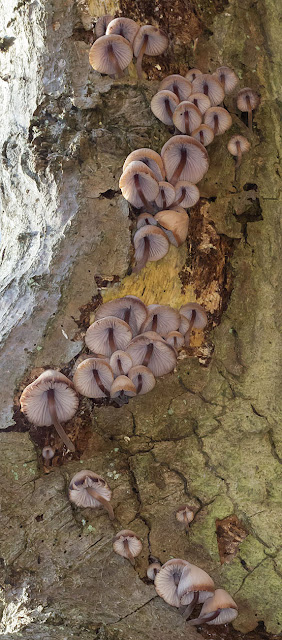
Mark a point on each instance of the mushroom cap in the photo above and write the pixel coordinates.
(161, 319)
(123, 27)
(99, 54)
(242, 99)
(243, 142)
(207, 134)
(120, 363)
(223, 118)
(142, 374)
(134, 543)
(159, 244)
(210, 86)
(153, 569)
(194, 115)
(83, 480)
(163, 357)
(34, 398)
(192, 193)
(194, 579)
(201, 316)
(176, 82)
(157, 40)
(128, 308)
(219, 600)
(175, 225)
(85, 382)
(227, 77)
(48, 453)
(167, 580)
(175, 339)
(184, 514)
(197, 160)
(149, 157)
(201, 101)
(147, 181)
(167, 191)
(123, 384)
(158, 105)
(97, 335)
(145, 219)
(101, 25)
(192, 74)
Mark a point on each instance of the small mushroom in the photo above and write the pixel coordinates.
(138, 185)
(163, 105)
(150, 41)
(203, 134)
(142, 378)
(123, 27)
(110, 55)
(227, 78)
(127, 544)
(149, 157)
(219, 609)
(168, 579)
(218, 119)
(201, 101)
(186, 117)
(184, 159)
(210, 86)
(50, 399)
(153, 569)
(101, 25)
(178, 85)
(166, 195)
(161, 319)
(47, 454)
(184, 514)
(107, 335)
(128, 308)
(145, 219)
(150, 350)
(175, 225)
(93, 378)
(238, 145)
(186, 193)
(122, 389)
(175, 339)
(248, 100)
(192, 74)
(197, 317)
(195, 586)
(120, 363)
(87, 489)
(151, 244)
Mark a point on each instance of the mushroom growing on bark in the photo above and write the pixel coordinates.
(201, 101)
(108, 335)
(93, 378)
(151, 244)
(218, 119)
(184, 159)
(197, 317)
(149, 41)
(168, 579)
(248, 100)
(195, 586)
(175, 225)
(227, 78)
(186, 193)
(149, 157)
(122, 389)
(163, 105)
(50, 399)
(204, 134)
(210, 86)
(128, 308)
(142, 378)
(87, 489)
(175, 339)
(219, 609)
(110, 55)
(187, 117)
(166, 195)
(152, 570)
(139, 185)
(123, 27)
(101, 25)
(120, 363)
(192, 74)
(178, 85)
(145, 219)
(238, 145)
(127, 544)
(161, 319)
(150, 350)
(47, 454)
(184, 514)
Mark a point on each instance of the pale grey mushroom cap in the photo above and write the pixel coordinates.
(149, 157)
(194, 579)
(83, 480)
(157, 41)
(227, 77)
(142, 378)
(204, 134)
(100, 54)
(128, 308)
(201, 316)
(175, 225)
(190, 192)
(220, 601)
(34, 399)
(124, 27)
(133, 541)
(192, 74)
(147, 180)
(98, 335)
(166, 195)
(158, 243)
(84, 378)
(245, 95)
(161, 318)
(178, 85)
(145, 219)
(238, 140)
(167, 580)
(122, 384)
(150, 346)
(101, 25)
(201, 101)
(161, 103)
(175, 339)
(184, 514)
(218, 119)
(195, 155)
(120, 363)
(152, 570)
(192, 114)
(210, 86)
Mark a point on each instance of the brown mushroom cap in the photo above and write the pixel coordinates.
(184, 159)
(187, 117)
(120, 363)
(150, 245)
(123, 385)
(107, 335)
(163, 105)
(150, 350)
(247, 98)
(167, 580)
(149, 157)
(161, 319)
(178, 85)
(155, 39)
(138, 184)
(192, 74)
(87, 489)
(210, 86)
(184, 514)
(219, 609)
(123, 27)
(101, 25)
(201, 101)
(186, 193)
(145, 219)
(126, 543)
(175, 339)
(166, 195)
(153, 569)
(93, 378)
(227, 78)
(142, 378)
(203, 134)
(200, 314)
(110, 54)
(128, 308)
(34, 399)
(218, 119)
(232, 145)
(193, 580)
(175, 225)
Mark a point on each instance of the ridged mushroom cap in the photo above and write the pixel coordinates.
(84, 480)
(184, 514)
(238, 140)
(128, 308)
(175, 339)
(201, 101)
(201, 316)
(133, 541)
(178, 85)
(187, 117)
(210, 86)
(48, 453)
(158, 243)
(123, 27)
(163, 105)
(101, 52)
(204, 134)
(152, 570)
(220, 600)
(166, 195)
(218, 119)
(120, 363)
(150, 350)
(34, 399)
(161, 319)
(91, 376)
(149, 157)
(247, 96)
(142, 378)
(156, 41)
(194, 579)
(167, 580)
(138, 172)
(107, 335)
(184, 150)
(175, 225)
(145, 219)
(186, 193)
(122, 384)
(227, 78)
(101, 25)
(192, 74)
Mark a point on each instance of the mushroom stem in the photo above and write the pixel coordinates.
(239, 155)
(215, 119)
(191, 606)
(168, 109)
(180, 167)
(100, 383)
(206, 89)
(145, 257)
(114, 61)
(175, 90)
(61, 432)
(202, 139)
(149, 352)
(105, 503)
(163, 198)
(112, 340)
(139, 386)
(129, 554)
(191, 324)
(120, 367)
(127, 315)
(250, 112)
(140, 57)
(196, 103)
(141, 194)
(207, 618)
(182, 196)
(222, 81)
(155, 322)
(186, 121)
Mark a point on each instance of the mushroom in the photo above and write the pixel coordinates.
(184, 159)
(186, 117)
(184, 514)
(123, 27)
(197, 317)
(238, 145)
(128, 308)
(139, 185)
(248, 100)
(219, 609)
(151, 41)
(127, 544)
(163, 105)
(218, 119)
(195, 586)
(149, 157)
(50, 399)
(178, 85)
(175, 225)
(168, 578)
(142, 378)
(203, 134)
(110, 55)
(186, 193)
(192, 74)
(210, 86)
(227, 77)
(201, 101)
(161, 319)
(122, 389)
(47, 454)
(145, 219)
(101, 25)
(150, 245)
(166, 195)
(120, 363)
(93, 378)
(175, 339)
(107, 335)
(153, 569)
(87, 489)
(150, 350)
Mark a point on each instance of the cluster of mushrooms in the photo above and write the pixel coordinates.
(131, 345)
(119, 39)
